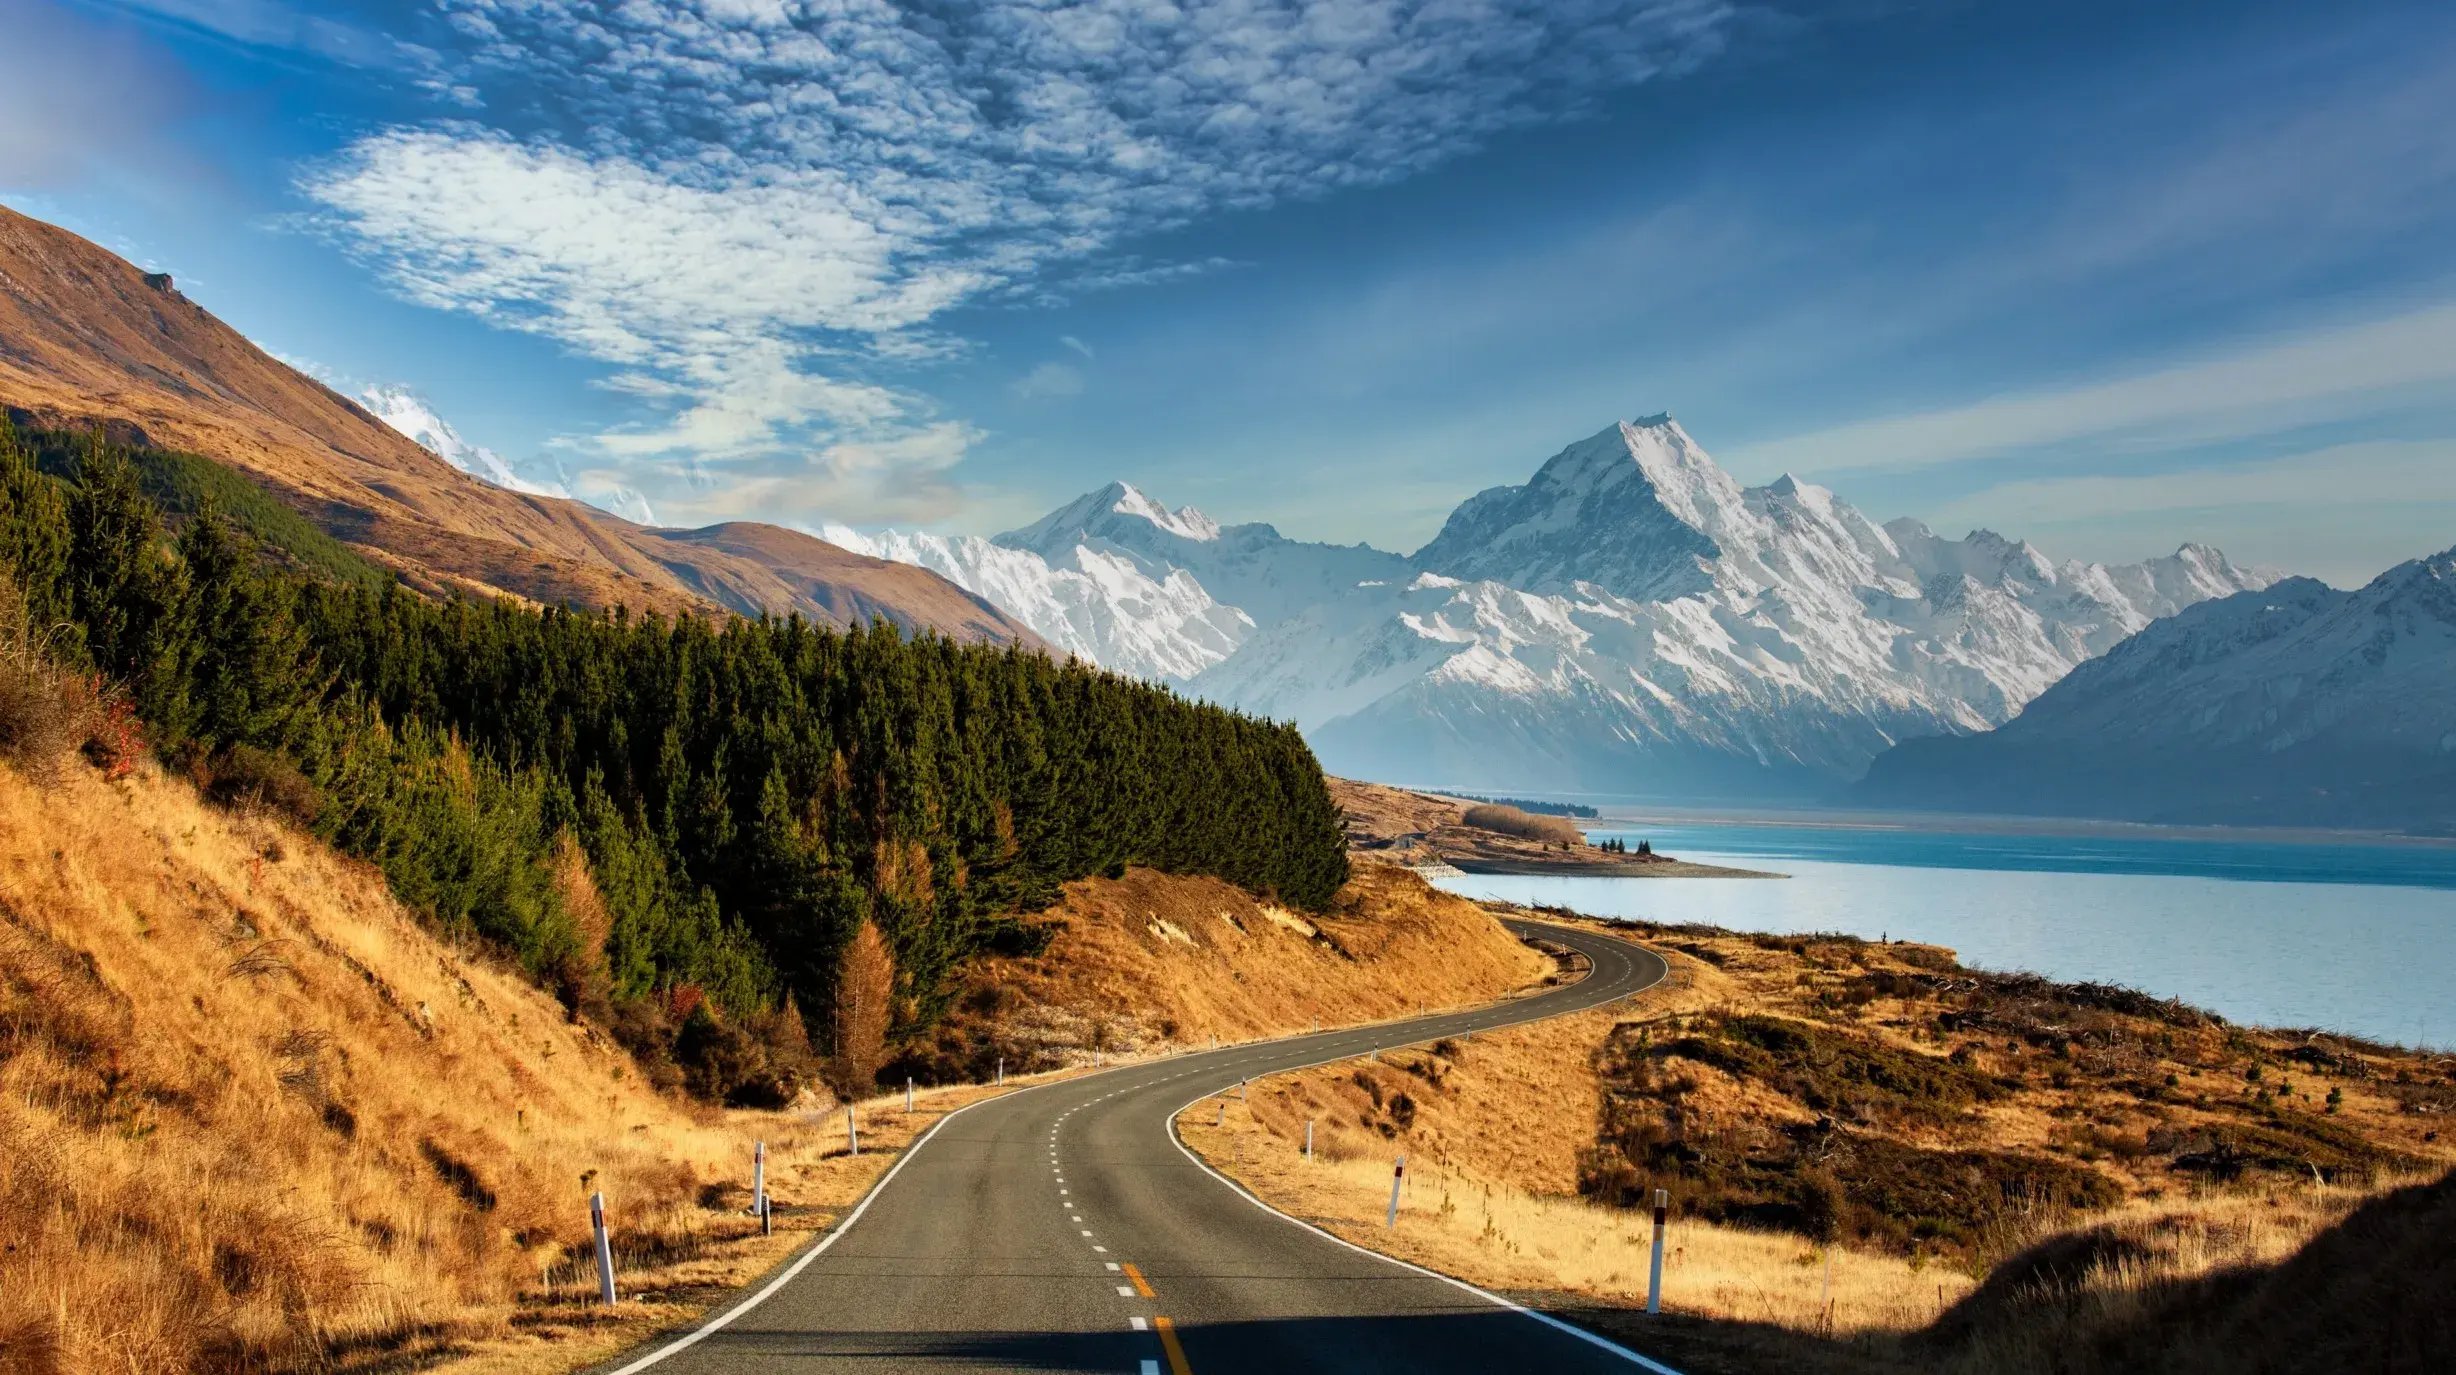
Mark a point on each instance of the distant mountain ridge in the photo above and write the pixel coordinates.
(86, 337)
(2295, 704)
(1629, 620)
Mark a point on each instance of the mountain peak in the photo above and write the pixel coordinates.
(1635, 508)
(1184, 522)
(1119, 513)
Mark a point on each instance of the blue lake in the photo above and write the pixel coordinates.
(2350, 937)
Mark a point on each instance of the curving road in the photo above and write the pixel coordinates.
(1062, 1228)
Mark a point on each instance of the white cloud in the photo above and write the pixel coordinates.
(1049, 381)
(2325, 374)
(1077, 345)
(750, 206)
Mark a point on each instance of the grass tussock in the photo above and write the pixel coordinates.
(1145, 961)
(254, 1117)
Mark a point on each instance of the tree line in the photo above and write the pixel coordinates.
(745, 796)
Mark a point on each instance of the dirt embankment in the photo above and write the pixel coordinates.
(1426, 829)
(1879, 1161)
(1149, 963)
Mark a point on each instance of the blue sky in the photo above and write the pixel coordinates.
(2106, 276)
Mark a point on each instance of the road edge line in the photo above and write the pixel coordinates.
(711, 1326)
(1594, 1339)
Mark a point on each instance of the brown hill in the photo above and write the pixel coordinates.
(86, 337)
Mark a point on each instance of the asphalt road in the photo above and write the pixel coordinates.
(1062, 1228)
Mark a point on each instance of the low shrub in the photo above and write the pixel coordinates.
(1510, 821)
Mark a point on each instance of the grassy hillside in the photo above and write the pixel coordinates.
(1145, 963)
(94, 340)
(253, 1115)
(1880, 1161)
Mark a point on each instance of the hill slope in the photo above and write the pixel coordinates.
(2296, 705)
(85, 336)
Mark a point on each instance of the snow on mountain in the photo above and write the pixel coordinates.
(1098, 604)
(1252, 567)
(1633, 620)
(408, 412)
(2295, 703)
(412, 415)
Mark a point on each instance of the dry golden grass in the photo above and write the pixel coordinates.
(1150, 962)
(1496, 1131)
(254, 1117)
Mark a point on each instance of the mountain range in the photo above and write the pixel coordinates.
(1630, 620)
(2298, 703)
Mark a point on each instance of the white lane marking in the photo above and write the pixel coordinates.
(1125, 1291)
(1142, 1324)
(1604, 1344)
(1150, 1366)
(1079, 1220)
(716, 1324)
(1112, 1265)
(768, 1290)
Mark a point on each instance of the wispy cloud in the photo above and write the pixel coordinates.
(2325, 374)
(750, 205)
(1049, 381)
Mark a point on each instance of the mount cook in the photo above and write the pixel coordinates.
(1630, 620)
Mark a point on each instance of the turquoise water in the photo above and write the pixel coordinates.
(2357, 938)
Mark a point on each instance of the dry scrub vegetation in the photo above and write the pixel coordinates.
(1882, 1161)
(254, 1117)
(1148, 962)
(1510, 821)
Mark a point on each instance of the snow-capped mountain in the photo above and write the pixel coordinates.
(1252, 567)
(2293, 703)
(411, 415)
(408, 412)
(1630, 620)
(1097, 603)
(1634, 620)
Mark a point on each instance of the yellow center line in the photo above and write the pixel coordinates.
(1168, 1343)
(1142, 1288)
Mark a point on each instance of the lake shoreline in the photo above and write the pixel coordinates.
(1570, 866)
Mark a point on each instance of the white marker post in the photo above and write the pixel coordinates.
(1241, 1083)
(852, 1130)
(908, 1093)
(1654, 1275)
(1001, 1080)
(758, 1182)
(1309, 1138)
(605, 1249)
(1398, 1172)
(1223, 1114)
